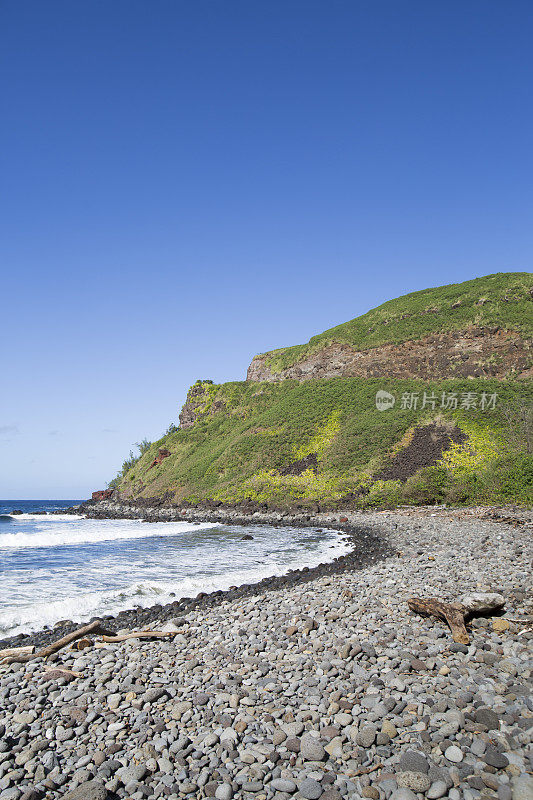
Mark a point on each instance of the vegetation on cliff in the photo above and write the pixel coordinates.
(247, 437)
(328, 441)
(502, 300)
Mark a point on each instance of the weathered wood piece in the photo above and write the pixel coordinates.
(81, 644)
(455, 614)
(452, 613)
(14, 651)
(121, 637)
(55, 672)
(93, 627)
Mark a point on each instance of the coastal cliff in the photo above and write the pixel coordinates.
(477, 329)
(472, 353)
(426, 399)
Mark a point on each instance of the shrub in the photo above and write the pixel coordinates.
(427, 486)
(510, 479)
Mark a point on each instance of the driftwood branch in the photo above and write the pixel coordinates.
(452, 613)
(93, 627)
(475, 604)
(15, 651)
(121, 637)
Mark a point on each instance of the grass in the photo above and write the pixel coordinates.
(234, 454)
(502, 300)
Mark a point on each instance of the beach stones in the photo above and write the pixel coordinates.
(283, 785)
(494, 758)
(310, 789)
(482, 602)
(131, 774)
(488, 718)
(224, 792)
(90, 790)
(311, 749)
(454, 754)
(152, 695)
(413, 761)
(436, 790)
(403, 794)
(235, 709)
(522, 787)
(417, 781)
(366, 736)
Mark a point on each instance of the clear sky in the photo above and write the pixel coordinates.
(185, 184)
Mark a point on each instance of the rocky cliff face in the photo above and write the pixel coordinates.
(199, 402)
(472, 353)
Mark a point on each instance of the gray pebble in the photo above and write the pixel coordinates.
(310, 789)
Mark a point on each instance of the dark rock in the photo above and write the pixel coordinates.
(495, 759)
(455, 647)
(90, 790)
(488, 718)
(413, 761)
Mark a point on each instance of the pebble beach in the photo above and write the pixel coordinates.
(324, 686)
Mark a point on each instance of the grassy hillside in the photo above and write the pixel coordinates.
(249, 434)
(502, 300)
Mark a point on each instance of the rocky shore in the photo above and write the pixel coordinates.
(323, 685)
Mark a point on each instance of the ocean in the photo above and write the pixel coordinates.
(58, 567)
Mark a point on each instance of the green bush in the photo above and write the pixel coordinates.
(510, 479)
(427, 486)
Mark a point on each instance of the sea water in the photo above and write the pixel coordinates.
(60, 566)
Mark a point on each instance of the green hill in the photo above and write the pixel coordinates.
(331, 442)
(446, 323)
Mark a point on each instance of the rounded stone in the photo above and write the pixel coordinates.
(224, 792)
(283, 785)
(488, 718)
(310, 789)
(371, 792)
(417, 781)
(403, 794)
(90, 790)
(436, 790)
(366, 736)
(454, 754)
(311, 749)
(522, 787)
(413, 761)
(495, 759)
(278, 737)
(389, 729)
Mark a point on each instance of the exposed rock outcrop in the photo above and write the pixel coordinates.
(426, 447)
(103, 494)
(298, 467)
(160, 457)
(476, 353)
(199, 402)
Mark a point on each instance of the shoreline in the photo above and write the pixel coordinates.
(326, 686)
(371, 543)
(366, 547)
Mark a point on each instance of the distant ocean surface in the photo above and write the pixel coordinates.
(57, 567)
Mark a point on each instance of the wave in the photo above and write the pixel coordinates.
(91, 531)
(81, 606)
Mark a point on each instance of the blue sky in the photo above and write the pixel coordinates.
(187, 184)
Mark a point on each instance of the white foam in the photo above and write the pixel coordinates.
(50, 533)
(57, 592)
